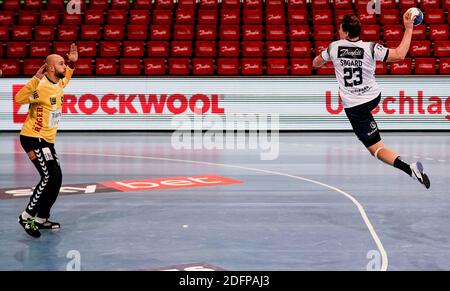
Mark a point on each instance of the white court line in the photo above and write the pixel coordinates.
(384, 258)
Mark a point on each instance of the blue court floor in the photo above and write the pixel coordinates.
(323, 204)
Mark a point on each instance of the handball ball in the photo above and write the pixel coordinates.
(417, 13)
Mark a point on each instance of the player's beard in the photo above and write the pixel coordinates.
(60, 75)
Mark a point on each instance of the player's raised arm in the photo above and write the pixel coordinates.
(25, 95)
(399, 53)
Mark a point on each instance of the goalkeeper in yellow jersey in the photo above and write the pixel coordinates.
(44, 93)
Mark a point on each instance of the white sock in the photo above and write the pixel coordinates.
(40, 220)
(26, 215)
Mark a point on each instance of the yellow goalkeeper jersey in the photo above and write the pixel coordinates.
(45, 99)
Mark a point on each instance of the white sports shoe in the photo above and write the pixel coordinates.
(417, 173)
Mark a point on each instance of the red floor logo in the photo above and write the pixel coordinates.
(128, 186)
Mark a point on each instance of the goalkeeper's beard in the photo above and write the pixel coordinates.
(59, 75)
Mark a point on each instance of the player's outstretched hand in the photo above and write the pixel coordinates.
(73, 53)
(408, 20)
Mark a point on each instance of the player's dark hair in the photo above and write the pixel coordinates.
(351, 24)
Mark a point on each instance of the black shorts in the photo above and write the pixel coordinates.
(363, 124)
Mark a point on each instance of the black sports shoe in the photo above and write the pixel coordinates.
(419, 174)
(47, 225)
(29, 225)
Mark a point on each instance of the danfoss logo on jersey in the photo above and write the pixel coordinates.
(401, 104)
(131, 104)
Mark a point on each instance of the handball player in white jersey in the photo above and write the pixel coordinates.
(354, 61)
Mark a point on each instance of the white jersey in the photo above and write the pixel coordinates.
(355, 63)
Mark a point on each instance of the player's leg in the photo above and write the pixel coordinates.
(54, 169)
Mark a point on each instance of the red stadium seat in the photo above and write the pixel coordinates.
(367, 18)
(205, 49)
(183, 32)
(297, 16)
(252, 16)
(277, 66)
(187, 3)
(72, 19)
(439, 32)
(154, 66)
(320, 4)
(117, 16)
(296, 4)
(94, 17)
(420, 48)
(49, 17)
(113, 32)
(298, 32)
(275, 4)
(300, 49)
(164, 4)
(208, 4)
(67, 32)
(1, 50)
(31, 66)
(252, 32)
(39, 49)
(324, 32)
(252, 49)
(429, 4)
(276, 49)
(98, 4)
(160, 32)
(301, 66)
(381, 68)
(253, 4)
(158, 49)
(444, 66)
(61, 47)
(22, 32)
(110, 48)
(84, 67)
(90, 32)
(393, 32)
(388, 4)
(230, 3)
(275, 17)
(184, 16)
(434, 16)
(202, 66)
(137, 32)
(419, 32)
(129, 66)
(10, 67)
(142, 4)
(326, 69)
(390, 16)
(11, 5)
(208, 17)
(405, 4)
(87, 48)
(446, 4)
(401, 68)
(342, 4)
(139, 17)
(6, 18)
(229, 32)
(226, 66)
(206, 32)
(442, 48)
(27, 17)
(179, 66)
(370, 32)
(133, 49)
(162, 16)
(228, 48)
(321, 17)
(105, 66)
(320, 46)
(44, 33)
(120, 4)
(229, 16)
(276, 32)
(425, 66)
(181, 48)
(251, 66)
(16, 49)
(59, 5)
